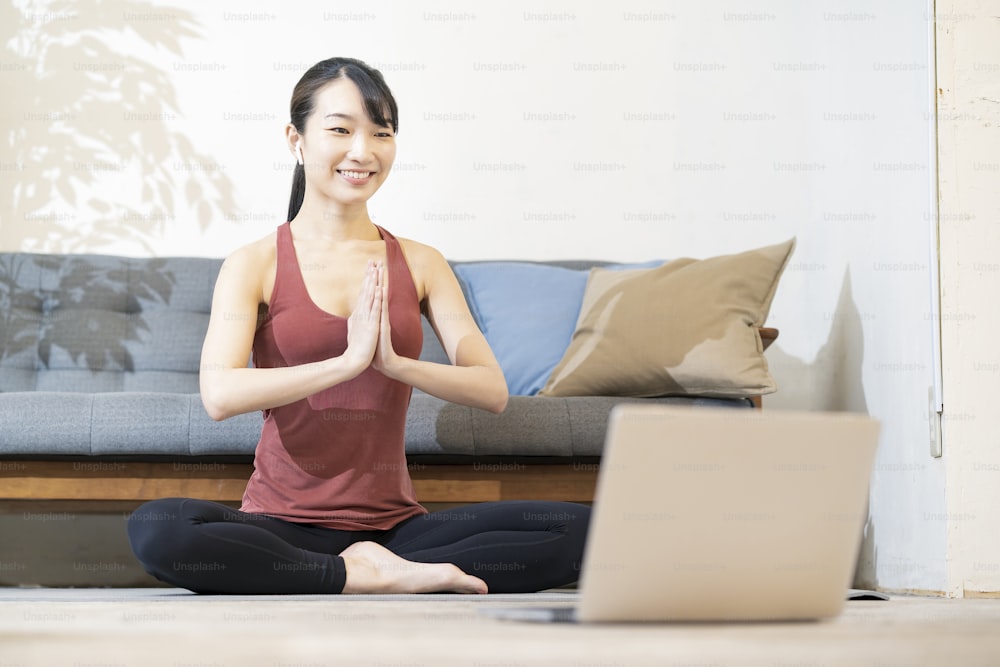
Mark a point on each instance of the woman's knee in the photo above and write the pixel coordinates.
(577, 526)
(154, 530)
(570, 518)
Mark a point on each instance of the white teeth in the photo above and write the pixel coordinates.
(356, 174)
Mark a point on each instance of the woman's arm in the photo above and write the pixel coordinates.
(228, 387)
(475, 378)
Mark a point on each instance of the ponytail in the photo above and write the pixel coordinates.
(298, 191)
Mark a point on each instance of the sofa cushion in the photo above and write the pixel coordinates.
(142, 424)
(527, 311)
(94, 323)
(689, 327)
(118, 424)
(530, 426)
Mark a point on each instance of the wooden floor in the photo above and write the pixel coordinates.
(172, 628)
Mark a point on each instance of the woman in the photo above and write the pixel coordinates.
(330, 507)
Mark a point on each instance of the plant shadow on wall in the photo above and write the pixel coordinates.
(96, 117)
(90, 308)
(833, 382)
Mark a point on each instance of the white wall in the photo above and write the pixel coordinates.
(543, 130)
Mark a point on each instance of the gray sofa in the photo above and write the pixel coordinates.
(99, 361)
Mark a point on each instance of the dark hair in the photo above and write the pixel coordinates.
(380, 106)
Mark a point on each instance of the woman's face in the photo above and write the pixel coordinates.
(346, 156)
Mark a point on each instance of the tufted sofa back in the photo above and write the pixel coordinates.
(98, 323)
(93, 323)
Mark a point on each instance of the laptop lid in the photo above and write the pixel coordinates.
(721, 514)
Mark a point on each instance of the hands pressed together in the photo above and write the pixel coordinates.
(369, 339)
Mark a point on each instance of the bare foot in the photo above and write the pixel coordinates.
(371, 568)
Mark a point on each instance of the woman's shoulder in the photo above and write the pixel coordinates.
(428, 266)
(422, 253)
(254, 261)
(260, 252)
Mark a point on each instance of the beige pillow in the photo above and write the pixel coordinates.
(687, 327)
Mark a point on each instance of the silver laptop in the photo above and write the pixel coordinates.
(705, 514)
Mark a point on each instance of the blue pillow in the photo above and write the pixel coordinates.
(528, 314)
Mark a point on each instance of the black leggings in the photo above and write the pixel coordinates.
(514, 546)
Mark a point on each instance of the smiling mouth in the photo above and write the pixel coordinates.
(356, 175)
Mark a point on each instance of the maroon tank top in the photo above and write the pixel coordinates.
(336, 458)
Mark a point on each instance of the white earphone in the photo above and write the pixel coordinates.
(298, 151)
